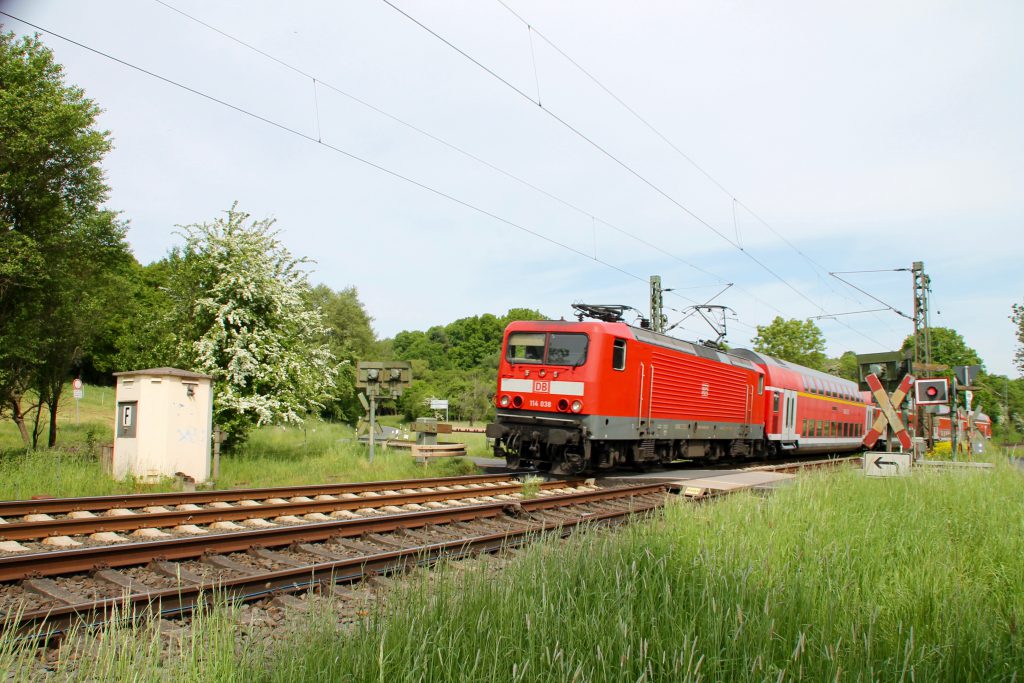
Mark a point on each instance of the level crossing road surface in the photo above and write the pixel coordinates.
(715, 479)
(718, 479)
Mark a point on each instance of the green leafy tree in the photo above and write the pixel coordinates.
(349, 330)
(947, 347)
(141, 337)
(796, 341)
(474, 341)
(515, 314)
(456, 361)
(350, 338)
(56, 243)
(847, 367)
(1001, 398)
(238, 305)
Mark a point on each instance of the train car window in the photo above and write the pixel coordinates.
(619, 355)
(775, 402)
(835, 432)
(526, 347)
(567, 349)
(760, 384)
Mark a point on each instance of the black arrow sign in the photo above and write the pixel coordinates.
(879, 463)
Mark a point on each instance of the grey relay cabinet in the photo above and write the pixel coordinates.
(163, 424)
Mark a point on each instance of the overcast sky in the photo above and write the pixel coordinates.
(862, 136)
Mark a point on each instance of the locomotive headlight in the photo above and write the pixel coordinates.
(517, 402)
(577, 406)
(504, 401)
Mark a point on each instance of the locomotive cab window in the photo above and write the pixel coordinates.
(526, 347)
(619, 355)
(760, 384)
(553, 349)
(567, 349)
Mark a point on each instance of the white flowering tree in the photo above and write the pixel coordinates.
(239, 314)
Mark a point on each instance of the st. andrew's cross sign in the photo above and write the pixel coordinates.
(888, 415)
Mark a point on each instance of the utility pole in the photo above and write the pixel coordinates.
(658, 318)
(922, 341)
(922, 289)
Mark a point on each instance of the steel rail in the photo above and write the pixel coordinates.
(798, 465)
(17, 508)
(57, 562)
(21, 531)
(50, 622)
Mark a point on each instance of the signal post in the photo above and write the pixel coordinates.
(386, 380)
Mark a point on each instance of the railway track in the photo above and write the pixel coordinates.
(47, 524)
(254, 544)
(43, 593)
(804, 464)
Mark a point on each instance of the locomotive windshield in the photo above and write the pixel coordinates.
(553, 349)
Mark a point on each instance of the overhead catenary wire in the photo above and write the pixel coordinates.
(872, 296)
(331, 147)
(690, 160)
(287, 129)
(761, 264)
(570, 205)
(318, 140)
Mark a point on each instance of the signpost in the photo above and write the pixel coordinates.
(886, 464)
(439, 404)
(888, 417)
(963, 379)
(79, 393)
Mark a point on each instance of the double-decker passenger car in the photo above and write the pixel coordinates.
(577, 396)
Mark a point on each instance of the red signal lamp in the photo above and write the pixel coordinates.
(931, 391)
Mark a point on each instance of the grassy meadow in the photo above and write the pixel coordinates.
(315, 452)
(836, 578)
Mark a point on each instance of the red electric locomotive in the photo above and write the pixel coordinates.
(579, 396)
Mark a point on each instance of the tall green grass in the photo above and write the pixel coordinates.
(317, 453)
(59, 473)
(323, 452)
(836, 578)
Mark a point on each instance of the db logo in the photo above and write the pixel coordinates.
(541, 387)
